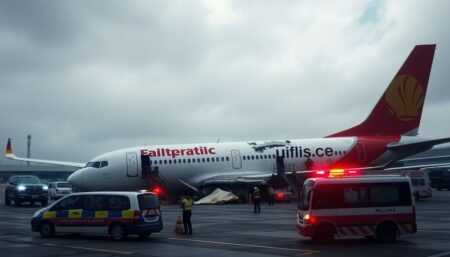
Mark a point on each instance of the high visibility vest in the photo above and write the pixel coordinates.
(187, 205)
(256, 194)
(269, 190)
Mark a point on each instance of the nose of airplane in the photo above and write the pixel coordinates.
(76, 179)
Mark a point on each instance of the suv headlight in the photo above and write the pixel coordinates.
(45, 187)
(21, 188)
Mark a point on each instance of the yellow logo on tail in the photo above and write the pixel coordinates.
(405, 97)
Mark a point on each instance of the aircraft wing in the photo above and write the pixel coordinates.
(10, 155)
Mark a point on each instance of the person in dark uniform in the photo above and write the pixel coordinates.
(270, 195)
(187, 204)
(256, 200)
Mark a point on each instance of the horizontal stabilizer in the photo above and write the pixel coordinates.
(426, 144)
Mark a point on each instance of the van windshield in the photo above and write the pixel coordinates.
(305, 199)
(148, 202)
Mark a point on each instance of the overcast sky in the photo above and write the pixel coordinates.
(88, 77)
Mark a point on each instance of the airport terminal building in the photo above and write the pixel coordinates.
(44, 172)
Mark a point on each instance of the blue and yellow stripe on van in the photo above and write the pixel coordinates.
(78, 214)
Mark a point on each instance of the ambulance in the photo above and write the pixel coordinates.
(115, 213)
(371, 206)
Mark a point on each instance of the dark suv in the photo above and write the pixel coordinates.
(26, 188)
(440, 178)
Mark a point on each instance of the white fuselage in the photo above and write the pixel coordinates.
(197, 163)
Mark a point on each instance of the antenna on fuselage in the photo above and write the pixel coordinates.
(218, 140)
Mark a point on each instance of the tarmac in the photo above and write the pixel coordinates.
(228, 230)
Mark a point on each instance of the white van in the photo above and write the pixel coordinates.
(421, 183)
(370, 206)
(115, 213)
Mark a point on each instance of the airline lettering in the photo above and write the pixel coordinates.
(161, 152)
(306, 152)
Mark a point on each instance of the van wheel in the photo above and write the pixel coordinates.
(324, 234)
(144, 235)
(47, 229)
(387, 233)
(118, 232)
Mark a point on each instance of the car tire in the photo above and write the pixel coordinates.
(144, 235)
(118, 232)
(324, 234)
(387, 232)
(47, 229)
(7, 200)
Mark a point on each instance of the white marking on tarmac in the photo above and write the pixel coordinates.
(246, 245)
(431, 230)
(440, 254)
(12, 223)
(89, 249)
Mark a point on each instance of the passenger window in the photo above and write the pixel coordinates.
(207, 159)
(243, 157)
(212, 159)
(184, 160)
(165, 161)
(198, 159)
(95, 203)
(217, 159)
(384, 194)
(228, 159)
(189, 160)
(70, 203)
(103, 164)
(118, 202)
(223, 159)
(193, 160)
(96, 165)
(356, 195)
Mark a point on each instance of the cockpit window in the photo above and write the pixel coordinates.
(99, 164)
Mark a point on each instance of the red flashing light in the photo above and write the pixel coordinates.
(352, 172)
(279, 195)
(309, 218)
(157, 190)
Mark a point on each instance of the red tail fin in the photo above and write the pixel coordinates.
(399, 110)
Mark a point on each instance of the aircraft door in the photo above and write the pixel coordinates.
(361, 151)
(236, 159)
(132, 165)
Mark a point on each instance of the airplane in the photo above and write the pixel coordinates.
(389, 133)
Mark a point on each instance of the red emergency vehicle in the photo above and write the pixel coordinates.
(371, 206)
